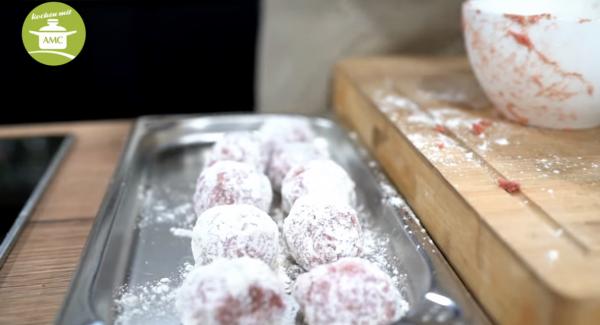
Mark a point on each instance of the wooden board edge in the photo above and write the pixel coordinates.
(513, 295)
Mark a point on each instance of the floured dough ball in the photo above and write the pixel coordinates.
(349, 291)
(231, 182)
(236, 230)
(319, 232)
(239, 146)
(232, 291)
(292, 154)
(321, 177)
(278, 131)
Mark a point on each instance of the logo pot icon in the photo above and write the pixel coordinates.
(53, 33)
(52, 36)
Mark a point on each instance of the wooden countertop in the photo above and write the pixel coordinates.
(38, 271)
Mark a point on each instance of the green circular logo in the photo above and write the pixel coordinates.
(53, 33)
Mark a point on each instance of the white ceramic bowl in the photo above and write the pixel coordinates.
(537, 60)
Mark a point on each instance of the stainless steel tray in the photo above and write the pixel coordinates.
(132, 241)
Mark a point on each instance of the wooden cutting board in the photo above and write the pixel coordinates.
(530, 257)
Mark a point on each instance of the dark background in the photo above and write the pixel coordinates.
(140, 57)
(23, 162)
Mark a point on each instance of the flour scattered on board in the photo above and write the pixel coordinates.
(390, 102)
(433, 147)
(440, 133)
(418, 124)
(502, 142)
(552, 255)
(565, 167)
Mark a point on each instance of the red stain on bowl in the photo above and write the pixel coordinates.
(567, 116)
(510, 107)
(537, 79)
(524, 79)
(558, 90)
(527, 20)
(522, 39)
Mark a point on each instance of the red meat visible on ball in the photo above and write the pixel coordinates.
(349, 291)
(230, 182)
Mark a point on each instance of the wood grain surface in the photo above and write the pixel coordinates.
(531, 257)
(38, 271)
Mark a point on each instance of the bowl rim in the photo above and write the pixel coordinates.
(493, 8)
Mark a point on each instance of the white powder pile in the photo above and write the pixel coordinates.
(434, 148)
(423, 119)
(150, 303)
(388, 101)
(502, 142)
(567, 168)
(376, 249)
(167, 205)
(380, 253)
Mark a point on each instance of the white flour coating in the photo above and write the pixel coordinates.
(349, 291)
(231, 182)
(230, 231)
(233, 291)
(242, 146)
(286, 156)
(321, 177)
(278, 131)
(319, 232)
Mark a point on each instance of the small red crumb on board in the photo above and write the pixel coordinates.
(479, 127)
(485, 123)
(440, 128)
(509, 186)
(440, 145)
